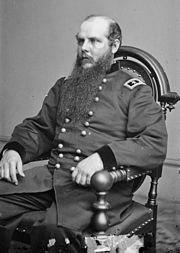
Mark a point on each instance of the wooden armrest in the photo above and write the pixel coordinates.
(103, 180)
(170, 98)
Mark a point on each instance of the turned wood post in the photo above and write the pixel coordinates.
(101, 182)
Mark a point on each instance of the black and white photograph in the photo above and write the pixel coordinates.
(89, 126)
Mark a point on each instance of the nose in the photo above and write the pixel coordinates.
(85, 46)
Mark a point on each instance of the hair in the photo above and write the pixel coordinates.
(114, 28)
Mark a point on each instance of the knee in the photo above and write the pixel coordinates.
(47, 230)
(48, 236)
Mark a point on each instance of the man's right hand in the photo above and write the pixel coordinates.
(10, 166)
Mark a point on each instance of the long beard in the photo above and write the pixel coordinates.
(79, 90)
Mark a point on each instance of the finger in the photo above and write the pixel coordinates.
(74, 174)
(2, 171)
(13, 174)
(6, 172)
(83, 180)
(20, 169)
(88, 180)
(78, 178)
(0, 168)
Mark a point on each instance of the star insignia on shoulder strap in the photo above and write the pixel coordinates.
(132, 83)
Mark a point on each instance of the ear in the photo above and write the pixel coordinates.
(115, 46)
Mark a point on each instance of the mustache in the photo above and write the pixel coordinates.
(85, 56)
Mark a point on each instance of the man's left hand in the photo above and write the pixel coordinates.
(82, 173)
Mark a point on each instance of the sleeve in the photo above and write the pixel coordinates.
(145, 145)
(34, 136)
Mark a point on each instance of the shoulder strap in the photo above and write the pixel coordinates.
(132, 83)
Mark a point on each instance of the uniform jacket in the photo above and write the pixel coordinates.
(124, 124)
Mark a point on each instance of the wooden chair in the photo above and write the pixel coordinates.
(143, 218)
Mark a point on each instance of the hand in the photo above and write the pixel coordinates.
(10, 166)
(82, 173)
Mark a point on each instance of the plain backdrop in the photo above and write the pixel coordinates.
(38, 46)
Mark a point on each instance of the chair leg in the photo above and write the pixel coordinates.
(149, 243)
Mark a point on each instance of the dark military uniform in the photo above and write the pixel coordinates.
(124, 125)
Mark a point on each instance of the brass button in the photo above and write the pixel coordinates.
(57, 165)
(61, 155)
(86, 123)
(67, 120)
(60, 145)
(104, 80)
(76, 158)
(63, 130)
(90, 113)
(96, 99)
(78, 151)
(83, 133)
(72, 169)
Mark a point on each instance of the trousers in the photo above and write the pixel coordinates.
(46, 236)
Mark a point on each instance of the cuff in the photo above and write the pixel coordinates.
(14, 146)
(107, 157)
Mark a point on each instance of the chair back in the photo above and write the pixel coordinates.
(142, 65)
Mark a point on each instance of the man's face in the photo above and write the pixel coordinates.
(92, 41)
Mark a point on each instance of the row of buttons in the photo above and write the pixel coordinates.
(83, 132)
(61, 155)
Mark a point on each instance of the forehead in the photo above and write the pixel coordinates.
(95, 27)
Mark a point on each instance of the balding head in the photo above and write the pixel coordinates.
(113, 32)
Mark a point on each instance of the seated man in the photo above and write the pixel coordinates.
(95, 119)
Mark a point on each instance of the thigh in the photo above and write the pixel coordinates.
(14, 205)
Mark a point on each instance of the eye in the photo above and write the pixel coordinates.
(80, 40)
(94, 40)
